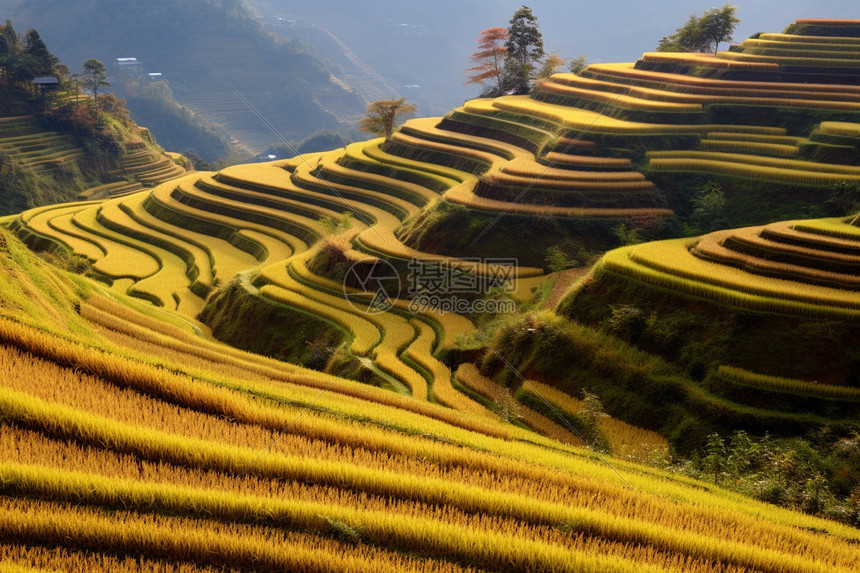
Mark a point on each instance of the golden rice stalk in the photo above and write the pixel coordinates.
(840, 128)
(752, 171)
(780, 384)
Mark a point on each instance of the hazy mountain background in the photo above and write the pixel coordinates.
(201, 48)
(413, 43)
(334, 56)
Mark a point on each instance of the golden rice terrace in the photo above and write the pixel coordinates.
(133, 438)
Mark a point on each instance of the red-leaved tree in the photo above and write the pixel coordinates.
(489, 59)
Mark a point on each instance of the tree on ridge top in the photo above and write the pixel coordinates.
(490, 60)
(525, 49)
(382, 116)
(95, 76)
(38, 59)
(703, 34)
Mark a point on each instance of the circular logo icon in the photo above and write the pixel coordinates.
(378, 283)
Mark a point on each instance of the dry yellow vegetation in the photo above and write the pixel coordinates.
(103, 447)
(132, 440)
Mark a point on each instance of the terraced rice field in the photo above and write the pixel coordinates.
(525, 155)
(184, 238)
(792, 267)
(116, 453)
(617, 98)
(132, 440)
(48, 153)
(178, 242)
(24, 142)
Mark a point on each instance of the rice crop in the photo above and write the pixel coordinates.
(669, 264)
(750, 147)
(619, 100)
(57, 415)
(465, 196)
(580, 119)
(406, 532)
(421, 351)
(531, 168)
(222, 259)
(759, 170)
(427, 128)
(709, 61)
(810, 39)
(780, 384)
(260, 241)
(132, 440)
(625, 440)
(724, 248)
(840, 128)
(416, 194)
(595, 184)
(586, 161)
(783, 241)
(799, 45)
(273, 215)
(483, 158)
(774, 162)
(678, 88)
(681, 85)
(365, 335)
(124, 257)
(56, 224)
(803, 59)
(369, 155)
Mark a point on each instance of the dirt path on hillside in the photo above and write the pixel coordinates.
(564, 282)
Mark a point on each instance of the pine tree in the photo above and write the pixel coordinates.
(525, 49)
(95, 76)
(38, 60)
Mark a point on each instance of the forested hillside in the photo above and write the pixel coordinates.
(201, 47)
(58, 143)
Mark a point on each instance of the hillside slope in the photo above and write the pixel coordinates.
(427, 415)
(518, 175)
(795, 272)
(130, 443)
(45, 166)
(220, 43)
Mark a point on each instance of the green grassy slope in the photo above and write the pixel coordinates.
(44, 166)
